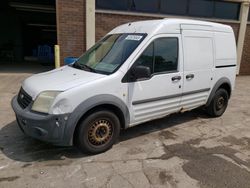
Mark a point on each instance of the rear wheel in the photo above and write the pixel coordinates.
(98, 132)
(219, 103)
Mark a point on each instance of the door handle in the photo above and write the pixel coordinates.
(189, 76)
(176, 78)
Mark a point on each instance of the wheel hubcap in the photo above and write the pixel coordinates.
(100, 132)
(220, 103)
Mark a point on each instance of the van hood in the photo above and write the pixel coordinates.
(58, 80)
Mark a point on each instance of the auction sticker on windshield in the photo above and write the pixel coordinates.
(134, 37)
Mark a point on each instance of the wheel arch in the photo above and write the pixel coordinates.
(108, 102)
(221, 83)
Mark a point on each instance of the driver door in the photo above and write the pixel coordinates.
(160, 94)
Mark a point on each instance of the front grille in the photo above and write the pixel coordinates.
(23, 99)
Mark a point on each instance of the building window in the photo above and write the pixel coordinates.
(177, 7)
(227, 10)
(195, 8)
(112, 4)
(144, 5)
(201, 8)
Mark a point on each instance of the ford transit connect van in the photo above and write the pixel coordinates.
(138, 72)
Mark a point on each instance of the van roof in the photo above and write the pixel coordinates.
(170, 25)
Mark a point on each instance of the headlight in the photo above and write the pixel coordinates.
(44, 101)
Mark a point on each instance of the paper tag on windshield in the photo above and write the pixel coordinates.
(133, 37)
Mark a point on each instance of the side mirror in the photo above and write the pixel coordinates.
(140, 73)
(69, 60)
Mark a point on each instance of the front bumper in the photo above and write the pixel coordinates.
(45, 127)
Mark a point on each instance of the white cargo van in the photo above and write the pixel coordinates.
(138, 72)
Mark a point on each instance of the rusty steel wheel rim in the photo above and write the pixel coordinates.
(100, 132)
(220, 103)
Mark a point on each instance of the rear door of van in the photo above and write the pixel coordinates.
(198, 50)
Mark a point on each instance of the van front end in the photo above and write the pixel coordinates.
(45, 127)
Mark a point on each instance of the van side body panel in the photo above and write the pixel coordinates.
(203, 54)
(209, 55)
(198, 63)
(225, 57)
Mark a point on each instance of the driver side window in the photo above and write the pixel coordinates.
(161, 56)
(147, 58)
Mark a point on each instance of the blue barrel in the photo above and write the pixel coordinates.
(69, 60)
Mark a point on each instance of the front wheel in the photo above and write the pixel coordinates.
(219, 103)
(98, 132)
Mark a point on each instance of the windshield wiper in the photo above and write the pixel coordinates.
(83, 67)
(89, 68)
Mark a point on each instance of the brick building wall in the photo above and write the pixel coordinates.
(107, 22)
(71, 27)
(245, 63)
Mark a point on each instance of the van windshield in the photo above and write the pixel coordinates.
(106, 56)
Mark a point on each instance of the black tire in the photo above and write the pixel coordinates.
(98, 132)
(219, 103)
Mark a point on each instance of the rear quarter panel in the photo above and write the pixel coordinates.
(225, 57)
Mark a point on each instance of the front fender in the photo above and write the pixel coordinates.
(89, 104)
